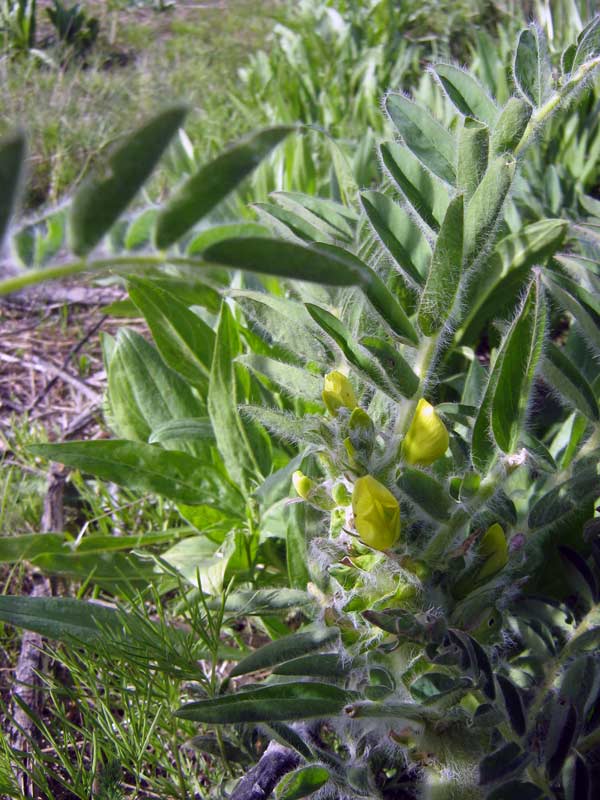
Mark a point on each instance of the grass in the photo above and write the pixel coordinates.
(73, 113)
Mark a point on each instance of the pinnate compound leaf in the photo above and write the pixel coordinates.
(429, 141)
(12, 159)
(302, 782)
(521, 352)
(100, 201)
(278, 703)
(400, 235)
(444, 276)
(212, 183)
(284, 649)
(146, 468)
(466, 94)
(533, 72)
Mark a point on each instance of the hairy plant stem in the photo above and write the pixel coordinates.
(423, 358)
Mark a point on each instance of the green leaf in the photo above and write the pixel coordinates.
(256, 602)
(336, 216)
(284, 649)
(99, 203)
(393, 364)
(512, 124)
(12, 159)
(316, 665)
(218, 233)
(427, 139)
(139, 232)
(241, 451)
(513, 703)
(281, 702)
(145, 468)
(473, 150)
(186, 429)
(563, 376)
(64, 618)
(484, 208)
(296, 550)
(293, 381)
(565, 499)
(466, 94)
(588, 45)
(577, 779)
(561, 735)
(427, 493)
(213, 182)
(302, 782)
(198, 559)
(521, 352)
(483, 449)
(286, 260)
(532, 70)
(301, 226)
(185, 341)
(28, 546)
(360, 359)
(399, 234)
(516, 790)
(579, 302)
(288, 737)
(144, 393)
(428, 196)
(444, 276)
(503, 763)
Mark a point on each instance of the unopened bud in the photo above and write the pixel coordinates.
(376, 513)
(338, 393)
(302, 484)
(427, 438)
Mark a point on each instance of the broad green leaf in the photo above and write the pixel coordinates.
(288, 737)
(185, 341)
(291, 225)
(358, 357)
(293, 381)
(337, 216)
(27, 546)
(394, 365)
(565, 499)
(218, 233)
(466, 94)
(532, 70)
(588, 45)
(428, 140)
(213, 182)
(146, 468)
(243, 459)
(521, 352)
(64, 618)
(484, 208)
(281, 702)
(184, 429)
(511, 126)
(296, 542)
(380, 297)
(12, 159)
(302, 782)
(106, 569)
(473, 151)
(100, 201)
(285, 649)
(579, 302)
(286, 260)
(399, 234)
(197, 557)
(437, 300)
(316, 665)
(144, 393)
(427, 493)
(564, 377)
(426, 193)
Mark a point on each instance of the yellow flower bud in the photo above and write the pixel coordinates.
(338, 393)
(427, 438)
(302, 484)
(340, 495)
(376, 513)
(493, 550)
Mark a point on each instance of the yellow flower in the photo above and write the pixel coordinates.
(493, 550)
(427, 438)
(338, 393)
(376, 513)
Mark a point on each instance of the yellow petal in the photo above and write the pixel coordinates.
(427, 438)
(338, 393)
(376, 513)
